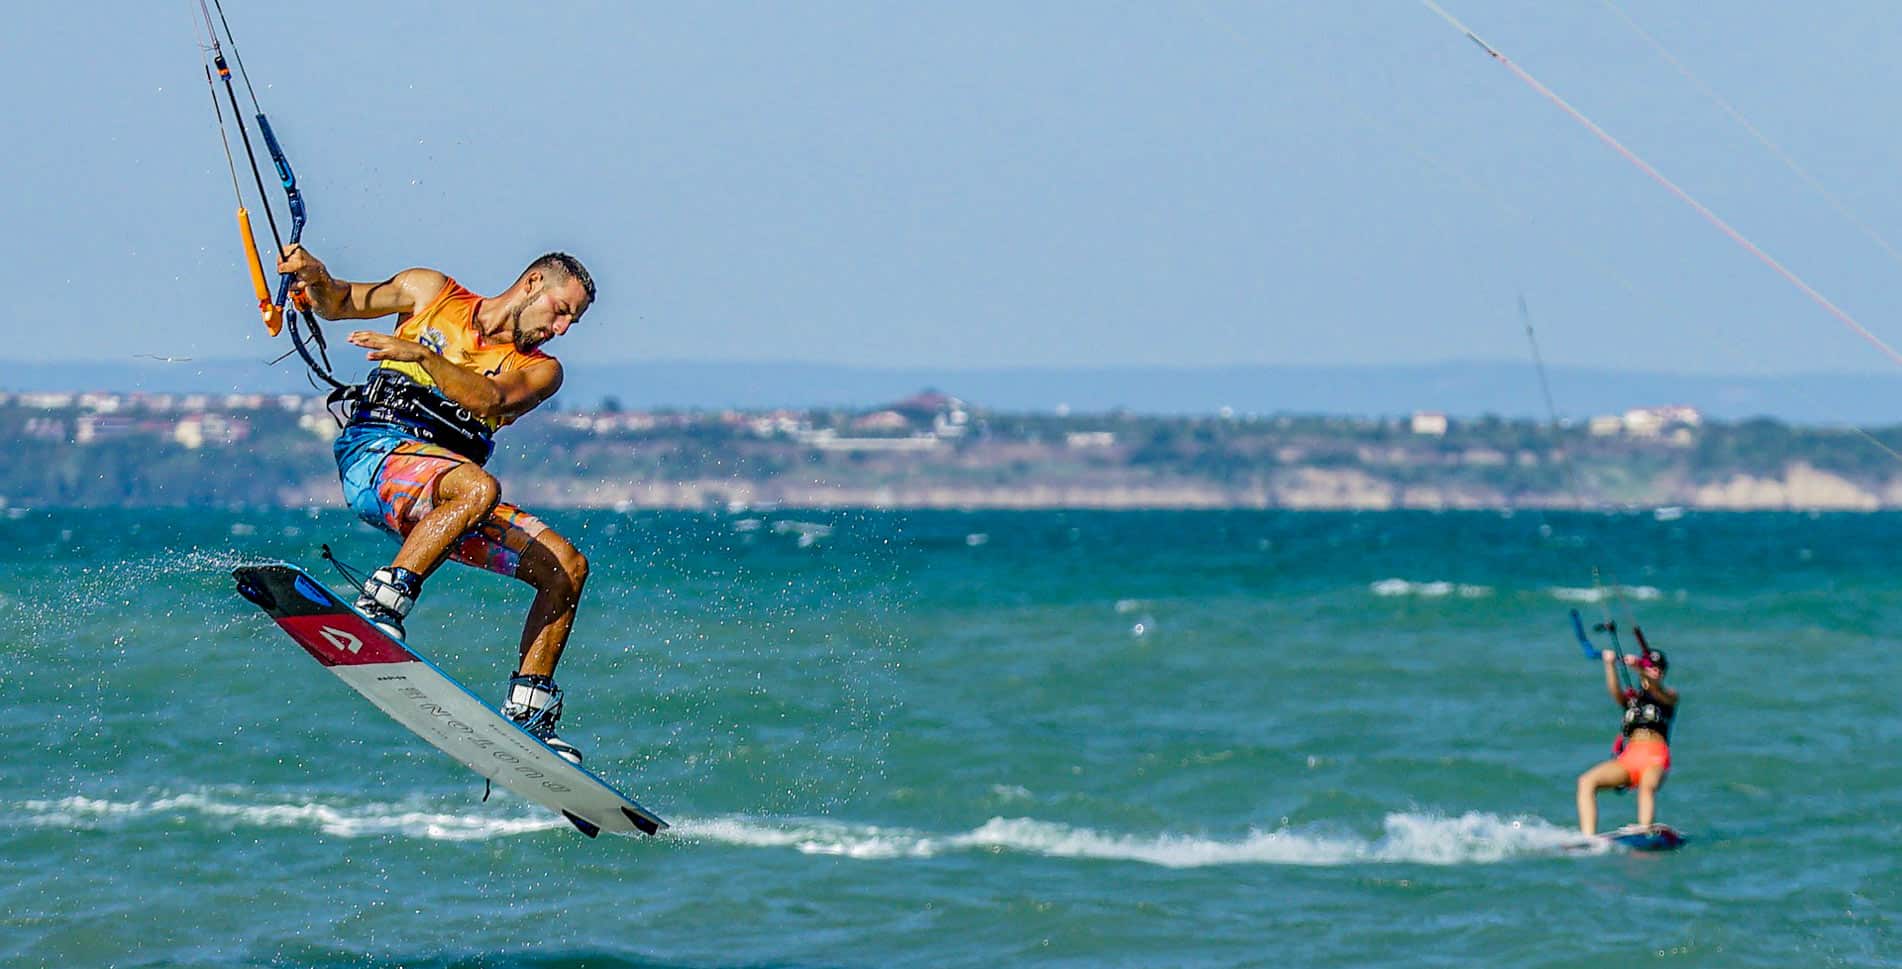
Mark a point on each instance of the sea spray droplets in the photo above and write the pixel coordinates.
(772, 649)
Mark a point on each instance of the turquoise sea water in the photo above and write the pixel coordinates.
(942, 739)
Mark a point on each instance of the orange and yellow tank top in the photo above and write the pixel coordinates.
(447, 326)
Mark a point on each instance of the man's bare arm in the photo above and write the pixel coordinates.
(507, 395)
(336, 299)
(524, 390)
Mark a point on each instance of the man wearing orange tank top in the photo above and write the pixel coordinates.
(458, 367)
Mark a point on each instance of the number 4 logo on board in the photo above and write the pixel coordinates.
(340, 639)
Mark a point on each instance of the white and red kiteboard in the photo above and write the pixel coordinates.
(418, 695)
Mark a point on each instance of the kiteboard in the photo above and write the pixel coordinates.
(1633, 837)
(420, 696)
(1646, 837)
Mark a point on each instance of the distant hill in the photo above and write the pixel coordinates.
(1458, 389)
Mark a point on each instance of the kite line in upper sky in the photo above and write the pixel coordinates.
(1709, 216)
(283, 307)
(1841, 208)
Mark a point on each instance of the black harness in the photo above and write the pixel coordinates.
(1644, 712)
(390, 398)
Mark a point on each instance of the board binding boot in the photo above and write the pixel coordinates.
(388, 597)
(534, 702)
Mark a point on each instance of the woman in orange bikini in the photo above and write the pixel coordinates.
(1643, 752)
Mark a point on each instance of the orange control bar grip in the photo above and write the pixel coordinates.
(273, 317)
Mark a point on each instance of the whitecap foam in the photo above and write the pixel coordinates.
(1428, 590)
(341, 820)
(1407, 838)
(1640, 593)
(815, 837)
(809, 532)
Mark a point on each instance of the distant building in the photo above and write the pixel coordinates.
(92, 427)
(779, 423)
(1090, 439)
(320, 424)
(46, 429)
(46, 401)
(1643, 423)
(208, 430)
(1681, 414)
(884, 420)
(951, 424)
(1649, 422)
(944, 414)
(927, 404)
(1429, 423)
(100, 403)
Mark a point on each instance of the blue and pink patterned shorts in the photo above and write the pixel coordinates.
(389, 479)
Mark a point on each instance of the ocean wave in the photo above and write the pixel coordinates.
(1406, 838)
(1640, 593)
(1428, 590)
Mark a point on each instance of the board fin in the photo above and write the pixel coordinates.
(583, 824)
(646, 825)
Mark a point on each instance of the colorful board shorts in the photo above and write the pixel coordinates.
(1638, 755)
(390, 479)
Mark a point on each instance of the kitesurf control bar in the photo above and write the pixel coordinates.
(294, 200)
(1584, 641)
(283, 306)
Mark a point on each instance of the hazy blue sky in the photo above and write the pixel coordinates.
(978, 184)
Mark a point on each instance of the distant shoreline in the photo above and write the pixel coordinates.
(932, 451)
(1463, 388)
(1800, 496)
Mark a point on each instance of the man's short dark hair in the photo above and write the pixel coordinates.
(563, 264)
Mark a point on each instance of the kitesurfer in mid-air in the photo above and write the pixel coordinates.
(1642, 754)
(457, 368)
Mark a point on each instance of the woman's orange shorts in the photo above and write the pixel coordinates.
(1638, 755)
